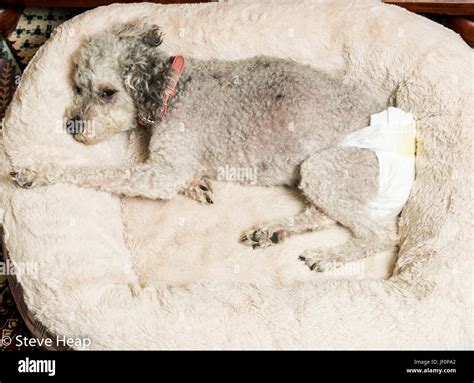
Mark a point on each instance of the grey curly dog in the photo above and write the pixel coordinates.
(280, 118)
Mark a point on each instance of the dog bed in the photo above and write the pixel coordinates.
(138, 274)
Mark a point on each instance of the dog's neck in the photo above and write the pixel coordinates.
(151, 101)
(174, 71)
(152, 94)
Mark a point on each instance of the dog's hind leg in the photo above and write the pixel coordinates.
(340, 182)
(274, 232)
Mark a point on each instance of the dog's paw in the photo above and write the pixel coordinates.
(315, 263)
(262, 237)
(200, 189)
(25, 178)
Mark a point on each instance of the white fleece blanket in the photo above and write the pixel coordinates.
(195, 285)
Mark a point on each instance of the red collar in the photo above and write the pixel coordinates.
(177, 66)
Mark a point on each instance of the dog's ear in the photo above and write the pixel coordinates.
(145, 71)
(149, 35)
(153, 36)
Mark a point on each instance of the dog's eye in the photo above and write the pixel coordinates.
(107, 94)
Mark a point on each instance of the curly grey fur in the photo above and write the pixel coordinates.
(280, 119)
(146, 72)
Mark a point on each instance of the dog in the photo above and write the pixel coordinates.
(282, 119)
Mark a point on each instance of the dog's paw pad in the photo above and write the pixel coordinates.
(261, 237)
(200, 189)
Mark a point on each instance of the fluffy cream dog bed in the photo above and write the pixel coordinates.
(193, 284)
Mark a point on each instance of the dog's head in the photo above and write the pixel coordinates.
(117, 75)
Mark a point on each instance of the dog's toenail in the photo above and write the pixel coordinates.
(313, 266)
(275, 238)
(254, 237)
(13, 174)
(209, 200)
(204, 188)
(28, 184)
(301, 258)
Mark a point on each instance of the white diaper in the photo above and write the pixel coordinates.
(391, 135)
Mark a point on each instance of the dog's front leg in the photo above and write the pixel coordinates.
(147, 180)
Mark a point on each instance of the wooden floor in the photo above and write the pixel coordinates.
(445, 7)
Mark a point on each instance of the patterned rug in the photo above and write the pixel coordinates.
(33, 29)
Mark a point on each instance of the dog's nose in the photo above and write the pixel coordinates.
(73, 125)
